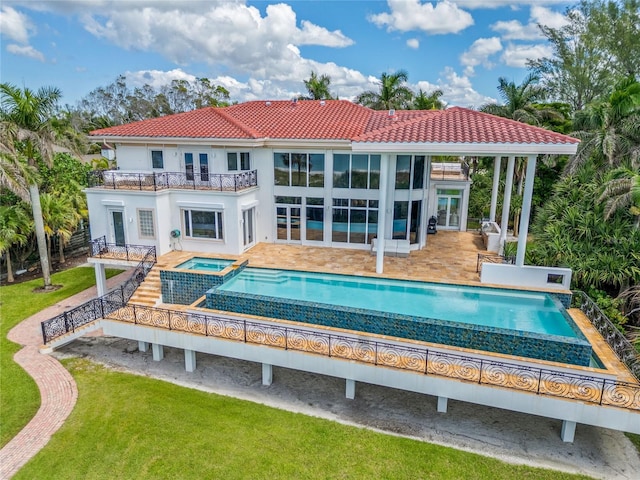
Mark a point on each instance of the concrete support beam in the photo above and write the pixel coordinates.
(101, 278)
(442, 404)
(568, 432)
(497, 162)
(143, 346)
(189, 360)
(382, 209)
(506, 203)
(526, 209)
(267, 374)
(350, 390)
(158, 351)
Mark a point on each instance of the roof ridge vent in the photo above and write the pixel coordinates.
(392, 112)
(294, 101)
(322, 103)
(267, 103)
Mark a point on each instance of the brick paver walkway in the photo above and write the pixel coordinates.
(58, 391)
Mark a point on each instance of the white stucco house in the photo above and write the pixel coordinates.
(325, 173)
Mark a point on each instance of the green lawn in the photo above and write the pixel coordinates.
(19, 395)
(127, 426)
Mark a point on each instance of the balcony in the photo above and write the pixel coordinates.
(123, 180)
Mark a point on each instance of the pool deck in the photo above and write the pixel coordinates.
(449, 257)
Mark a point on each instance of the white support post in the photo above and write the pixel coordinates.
(101, 278)
(158, 351)
(143, 346)
(506, 202)
(442, 404)
(350, 390)
(267, 374)
(382, 208)
(497, 162)
(568, 432)
(189, 360)
(526, 209)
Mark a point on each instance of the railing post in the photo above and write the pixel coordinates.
(286, 339)
(154, 182)
(539, 381)
(44, 335)
(604, 382)
(480, 376)
(426, 362)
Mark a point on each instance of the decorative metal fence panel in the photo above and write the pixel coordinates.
(616, 340)
(101, 249)
(493, 258)
(116, 179)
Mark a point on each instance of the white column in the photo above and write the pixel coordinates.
(497, 162)
(143, 346)
(158, 351)
(526, 209)
(101, 279)
(382, 209)
(442, 404)
(506, 202)
(189, 360)
(350, 389)
(568, 432)
(267, 374)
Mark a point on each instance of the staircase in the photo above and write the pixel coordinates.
(149, 293)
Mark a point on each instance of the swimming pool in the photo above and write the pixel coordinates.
(528, 324)
(206, 264)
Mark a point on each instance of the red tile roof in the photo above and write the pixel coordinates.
(337, 120)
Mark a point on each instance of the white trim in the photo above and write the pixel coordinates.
(247, 206)
(201, 205)
(112, 203)
(466, 148)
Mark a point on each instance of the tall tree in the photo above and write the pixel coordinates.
(519, 101)
(26, 117)
(431, 101)
(15, 228)
(317, 87)
(622, 192)
(598, 44)
(393, 93)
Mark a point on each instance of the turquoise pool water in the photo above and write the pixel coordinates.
(511, 310)
(206, 264)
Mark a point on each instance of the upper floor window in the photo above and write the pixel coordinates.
(407, 167)
(238, 161)
(157, 160)
(356, 171)
(298, 169)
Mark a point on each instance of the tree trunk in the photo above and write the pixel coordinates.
(34, 193)
(49, 252)
(10, 278)
(61, 245)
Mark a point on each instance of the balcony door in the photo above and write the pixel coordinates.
(116, 224)
(196, 167)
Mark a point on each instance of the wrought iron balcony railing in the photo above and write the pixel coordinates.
(101, 249)
(226, 182)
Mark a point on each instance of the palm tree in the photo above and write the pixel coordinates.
(26, 125)
(518, 101)
(317, 87)
(623, 191)
(15, 228)
(432, 101)
(393, 93)
(609, 129)
(59, 219)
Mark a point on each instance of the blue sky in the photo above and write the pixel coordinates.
(261, 50)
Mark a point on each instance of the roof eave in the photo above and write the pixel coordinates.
(468, 148)
(249, 142)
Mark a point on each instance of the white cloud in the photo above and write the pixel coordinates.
(409, 15)
(26, 51)
(157, 78)
(456, 89)
(517, 55)
(514, 30)
(514, 4)
(413, 43)
(479, 53)
(15, 25)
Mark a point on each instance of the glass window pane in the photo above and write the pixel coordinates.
(232, 161)
(340, 202)
(358, 203)
(188, 165)
(156, 159)
(449, 191)
(374, 172)
(203, 224)
(372, 225)
(340, 225)
(245, 163)
(341, 170)
(204, 167)
(187, 223)
(400, 215)
(359, 171)
(145, 223)
(357, 227)
(403, 171)
(315, 201)
(316, 170)
(418, 171)
(219, 224)
(295, 223)
(281, 218)
(289, 200)
(299, 169)
(315, 223)
(281, 168)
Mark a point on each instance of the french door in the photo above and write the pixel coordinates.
(116, 220)
(248, 227)
(449, 211)
(288, 223)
